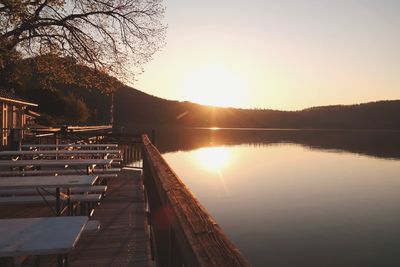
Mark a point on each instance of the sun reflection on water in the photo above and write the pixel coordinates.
(213, 159)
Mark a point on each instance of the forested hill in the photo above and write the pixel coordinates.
(68, 93)
(133, 107)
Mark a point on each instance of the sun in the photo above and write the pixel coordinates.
(215, 86)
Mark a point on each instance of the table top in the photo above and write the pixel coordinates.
(40, 236)
(68, 145)
(56, 152)
(55, 162)
(47, 181)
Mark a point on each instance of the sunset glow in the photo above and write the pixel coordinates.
(213, 159)
(285, 55)
(214, 86)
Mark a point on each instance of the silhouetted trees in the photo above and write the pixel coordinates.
(136, 108)
(65, 91)
(103, 34)
(68, 92)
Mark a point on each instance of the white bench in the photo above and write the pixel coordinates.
(56, 163)
(85, 202)
(49, 198)
(92, 226)
(40, 236)
(58, 152)
(75, 190)
(59, 171)
(78, 146)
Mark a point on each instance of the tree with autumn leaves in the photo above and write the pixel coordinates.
(105, 34)
(77, 42)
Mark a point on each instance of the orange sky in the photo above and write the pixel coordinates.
(277, 54)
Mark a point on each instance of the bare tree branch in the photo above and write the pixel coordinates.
(112, 34)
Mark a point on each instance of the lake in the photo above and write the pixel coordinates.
(296, 198)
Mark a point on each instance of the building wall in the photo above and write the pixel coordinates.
(12, 116)
(4, 123)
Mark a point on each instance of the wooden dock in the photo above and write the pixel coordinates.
(181, 230)
(123, 239)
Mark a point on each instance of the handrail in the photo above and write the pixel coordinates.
(183, 232)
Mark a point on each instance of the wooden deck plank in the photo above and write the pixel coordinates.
(123, 237)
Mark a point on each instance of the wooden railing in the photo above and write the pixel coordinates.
(183, 233)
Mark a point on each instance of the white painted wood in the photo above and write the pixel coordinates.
(19, 191)
(50, 162)
(70, 145)
(74, 190)
(86, 198)
(92, 226)
(97, 171)
(18, 200)
(47, 181)
(89, 189)
(57, 152)
(40, 236)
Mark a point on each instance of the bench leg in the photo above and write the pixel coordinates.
(58, 202)
(37, 261)
(62, 260)
(69, 202)
(82, 208)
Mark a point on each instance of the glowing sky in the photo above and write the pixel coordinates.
(282, 54)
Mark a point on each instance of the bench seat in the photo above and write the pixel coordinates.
(74, 190)
(59, 171)
(92, 226)
(89, 189)
(49, 198)
(86, 197)
(25, 200)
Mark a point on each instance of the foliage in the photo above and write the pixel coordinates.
(61, 53)
(65, 91)
(155, 112)
(50, 72)
(75, 109)
(109, 35)
(62, 110)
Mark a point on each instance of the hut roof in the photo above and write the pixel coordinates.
(8, 96)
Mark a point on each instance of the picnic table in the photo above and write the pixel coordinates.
(46, 181)
(56, 182)
(61, 154)
(57, 152)
(89, 164)
(40, 236)
(56, 146)
(52, 163)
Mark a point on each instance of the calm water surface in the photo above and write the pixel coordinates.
(299, 201)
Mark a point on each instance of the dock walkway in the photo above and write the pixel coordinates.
(123, 239)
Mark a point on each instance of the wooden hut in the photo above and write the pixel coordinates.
(13, 114)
